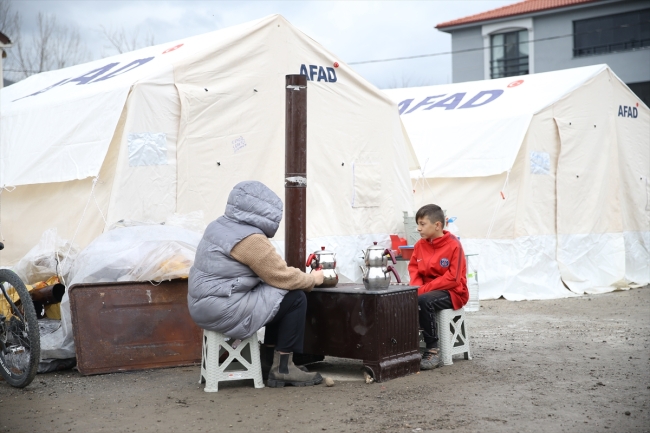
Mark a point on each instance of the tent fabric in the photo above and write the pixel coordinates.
(564, 200)
(208, 111)
(170, 130)
(482, 123)
(51, 130)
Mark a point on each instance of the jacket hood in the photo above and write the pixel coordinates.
(253, 203)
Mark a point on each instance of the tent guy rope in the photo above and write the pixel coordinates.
(426, 181)
(499, 205)
(74, 236)
(9, 189)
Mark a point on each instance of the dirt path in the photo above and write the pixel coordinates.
(575, 365)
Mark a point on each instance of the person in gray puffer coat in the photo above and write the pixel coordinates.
(239, 283)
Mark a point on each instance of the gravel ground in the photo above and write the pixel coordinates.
(575, 365)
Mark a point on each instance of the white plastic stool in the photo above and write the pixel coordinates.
(235, 366)
(452, 331)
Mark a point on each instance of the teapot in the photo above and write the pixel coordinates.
(325, 261)
(376, 273)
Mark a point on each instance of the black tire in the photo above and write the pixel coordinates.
(20, 344)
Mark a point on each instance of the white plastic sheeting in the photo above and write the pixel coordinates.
(519, 269)
(137, 253)
(637, 252)
(585, 258)
(51, 256)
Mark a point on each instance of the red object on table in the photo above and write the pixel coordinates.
(406, 252)
(396, 242)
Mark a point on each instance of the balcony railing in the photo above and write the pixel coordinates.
(611, 48)
(509, 67)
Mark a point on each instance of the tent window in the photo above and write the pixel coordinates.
(509, 54)
(540, 163)
(611, 33)
(147, 148)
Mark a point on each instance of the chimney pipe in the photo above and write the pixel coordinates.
(295, 184)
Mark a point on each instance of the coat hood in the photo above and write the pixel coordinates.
(253, 203)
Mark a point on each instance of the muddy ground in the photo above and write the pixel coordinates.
(574, 365)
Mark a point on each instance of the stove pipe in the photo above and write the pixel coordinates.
(295, 183)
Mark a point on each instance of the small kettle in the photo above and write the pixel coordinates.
(325, 261)
(376, 273)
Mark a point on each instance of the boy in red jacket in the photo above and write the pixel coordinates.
(438, 267)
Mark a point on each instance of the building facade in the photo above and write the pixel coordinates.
(547, 35)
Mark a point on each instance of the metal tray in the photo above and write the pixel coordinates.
(133, 326)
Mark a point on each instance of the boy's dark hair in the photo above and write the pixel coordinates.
(432, 212)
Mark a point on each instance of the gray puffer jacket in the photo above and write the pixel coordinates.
(225, 295)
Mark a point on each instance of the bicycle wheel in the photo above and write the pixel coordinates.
(20, 344)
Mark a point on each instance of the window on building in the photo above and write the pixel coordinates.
(612, 33)
(509, 54)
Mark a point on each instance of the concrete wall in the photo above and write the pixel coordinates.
(554, 54)
(467, 66)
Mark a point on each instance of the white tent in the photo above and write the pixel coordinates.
(547, 174)
(172, 128)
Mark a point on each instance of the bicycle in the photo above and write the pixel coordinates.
(20, 343)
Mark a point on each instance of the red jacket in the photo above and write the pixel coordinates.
(439, 264)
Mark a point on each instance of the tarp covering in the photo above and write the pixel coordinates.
(547, 174)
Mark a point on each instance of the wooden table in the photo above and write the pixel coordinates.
(379, 327)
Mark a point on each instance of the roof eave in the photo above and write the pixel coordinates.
(483, 22)
(452, 28)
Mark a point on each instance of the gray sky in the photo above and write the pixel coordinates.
(354, 30)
